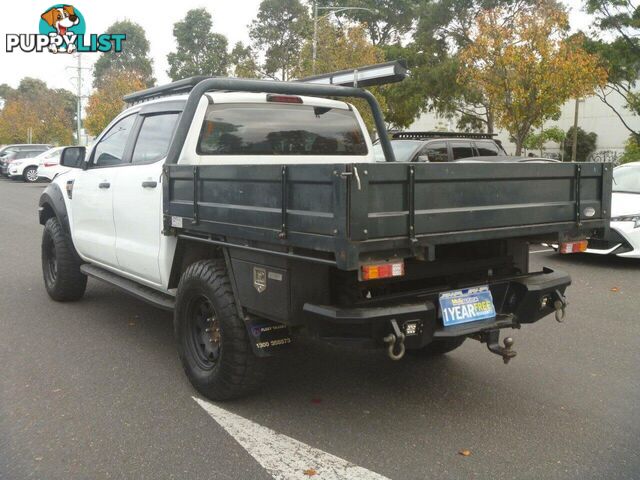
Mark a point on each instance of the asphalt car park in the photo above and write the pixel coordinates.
(94, 389)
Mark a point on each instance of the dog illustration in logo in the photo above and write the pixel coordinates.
(61, 18)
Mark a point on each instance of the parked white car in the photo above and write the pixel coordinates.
(25, 168)
(624, 238)
(49, 164)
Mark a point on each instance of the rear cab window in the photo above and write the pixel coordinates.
(266, 129)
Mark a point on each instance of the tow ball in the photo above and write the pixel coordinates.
(395, 342)
(492, 339)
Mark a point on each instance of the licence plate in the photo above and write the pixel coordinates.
(466, 305)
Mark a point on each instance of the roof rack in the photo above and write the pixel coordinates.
(174, 88)
(421, 135)
(379, 74)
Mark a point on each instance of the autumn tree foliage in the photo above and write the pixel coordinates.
(34, 108)
(342, 49)
(526, 65)
(106, 102)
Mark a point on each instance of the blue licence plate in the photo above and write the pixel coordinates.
(466, 305)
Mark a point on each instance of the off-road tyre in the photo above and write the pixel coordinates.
(60, 264)
(212, 340)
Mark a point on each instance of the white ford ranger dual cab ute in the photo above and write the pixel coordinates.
(256, 212)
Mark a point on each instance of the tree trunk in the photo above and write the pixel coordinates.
(490, 121)
(519, 143)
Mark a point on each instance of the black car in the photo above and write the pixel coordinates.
(441, 146)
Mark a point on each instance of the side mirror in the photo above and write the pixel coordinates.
(72, 157)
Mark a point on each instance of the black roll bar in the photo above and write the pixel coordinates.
(269, 86)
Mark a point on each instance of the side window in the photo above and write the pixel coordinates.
(436, 151)
(110, 149)
(154, 137)
(487, 149)
(462, 150)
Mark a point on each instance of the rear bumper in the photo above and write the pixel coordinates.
(518, 300)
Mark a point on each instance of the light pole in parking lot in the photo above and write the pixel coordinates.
(334, 9)
(78, 79)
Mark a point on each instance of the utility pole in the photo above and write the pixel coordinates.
(315, 37)
(334, 9)
(575, 133)
(79, 94)
(78, 84)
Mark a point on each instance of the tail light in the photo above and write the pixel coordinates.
(574, 247)
(382, 270)
(283, 98)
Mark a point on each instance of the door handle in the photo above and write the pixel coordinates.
(104, 185)
(149, 184)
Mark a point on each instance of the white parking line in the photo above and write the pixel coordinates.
(283, 457)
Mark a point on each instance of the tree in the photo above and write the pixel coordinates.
(278, 32)
(199, 50)
(35, 109)
(631, 150)
(537, 141)
(443, 28)
(526, 67)
(619, 22)
(386, 22)
(243, 62)
(586, 144)
(106, 103)
(134, 56)
(337, 50)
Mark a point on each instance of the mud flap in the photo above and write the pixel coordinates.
(267, 337)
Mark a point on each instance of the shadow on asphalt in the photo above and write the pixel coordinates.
(311, 373)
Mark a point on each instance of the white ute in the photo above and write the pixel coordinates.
(107, 212)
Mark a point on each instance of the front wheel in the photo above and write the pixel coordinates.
(30, 175)
(212, 340)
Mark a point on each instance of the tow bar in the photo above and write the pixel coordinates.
(395, 340)
(560, 304)
(492, 339)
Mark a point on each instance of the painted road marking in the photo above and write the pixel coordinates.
(283, 457)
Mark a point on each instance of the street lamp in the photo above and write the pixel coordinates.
(335, 9)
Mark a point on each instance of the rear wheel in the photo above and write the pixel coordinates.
(60, 264)
(30, 174)
(213, 343)
(439, 346)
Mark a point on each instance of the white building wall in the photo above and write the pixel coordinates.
(593, 116)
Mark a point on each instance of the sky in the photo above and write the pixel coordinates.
(157, 18)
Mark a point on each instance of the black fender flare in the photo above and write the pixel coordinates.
(51, 203)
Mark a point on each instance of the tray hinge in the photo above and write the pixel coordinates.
(412, 208)
(196, 195)
(283, 224)
(578, 204)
